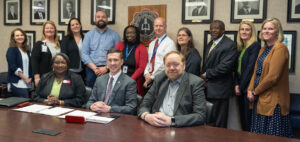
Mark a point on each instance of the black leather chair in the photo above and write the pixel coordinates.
(295, 114)
(209, 107)
(88, 92)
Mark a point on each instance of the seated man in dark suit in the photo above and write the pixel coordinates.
(115, 91)
(176, 97)
(200, 10)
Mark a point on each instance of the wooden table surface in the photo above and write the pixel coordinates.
(17, 127)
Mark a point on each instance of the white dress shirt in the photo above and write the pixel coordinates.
(165, 46)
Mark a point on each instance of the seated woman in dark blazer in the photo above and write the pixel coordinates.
(248, 48)
(60, 86)
(71, 45)
(186, 46)
(135, 56)
(19, 64)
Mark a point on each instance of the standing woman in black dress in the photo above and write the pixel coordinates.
(71, 45)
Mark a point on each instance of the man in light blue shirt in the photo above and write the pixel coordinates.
(95, 45)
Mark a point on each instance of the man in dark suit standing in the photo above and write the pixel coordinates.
(220, 55)
(115, 91)
(176, 97)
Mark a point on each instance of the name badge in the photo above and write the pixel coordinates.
(125, 69)
(67, 81)
(44, 48)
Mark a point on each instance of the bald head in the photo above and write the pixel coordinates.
(160, 26)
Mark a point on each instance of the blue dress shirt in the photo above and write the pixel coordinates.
(96, 44)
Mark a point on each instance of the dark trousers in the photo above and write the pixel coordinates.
(219, 114)
(90, 77)
(245, 112)
(20, 92)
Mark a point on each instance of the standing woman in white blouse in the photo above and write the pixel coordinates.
(19, 64)
(71, 45)
(44, 50)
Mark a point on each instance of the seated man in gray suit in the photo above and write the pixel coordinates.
(115, 91)
(176, 97)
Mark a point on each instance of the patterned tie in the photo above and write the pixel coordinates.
(212, 47)
(109, 90)
(153, 57)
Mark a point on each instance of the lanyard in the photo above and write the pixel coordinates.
(154, 52)
(127, 54)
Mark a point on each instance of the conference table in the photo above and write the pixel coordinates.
(17, 126)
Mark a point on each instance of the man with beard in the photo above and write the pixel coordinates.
(95, 45)
(176, 97)
(220, 56)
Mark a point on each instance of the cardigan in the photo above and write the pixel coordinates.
(273, 87)
(71, 92)
(141, 57)
(14, 61)
(193, 62)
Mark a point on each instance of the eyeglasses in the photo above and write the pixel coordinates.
(181, 35)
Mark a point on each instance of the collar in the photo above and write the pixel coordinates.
(219, 39)
(178, 80)
(103, 31)
(116, 76)
(159, 39)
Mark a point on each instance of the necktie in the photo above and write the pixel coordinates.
(153, 57)
(108, 90)
(212, 47)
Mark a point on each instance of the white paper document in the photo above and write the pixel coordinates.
(99, 119)
(55, 111)
(33, 108)
(84, 114)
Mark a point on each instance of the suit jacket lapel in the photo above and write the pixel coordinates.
(180, 91)
(163, 88)
(116, 88)
(104, 83)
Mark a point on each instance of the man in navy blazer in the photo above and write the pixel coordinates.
(220, 55)
(115, 91)
(176, 97)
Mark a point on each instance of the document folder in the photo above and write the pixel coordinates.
(12, 101)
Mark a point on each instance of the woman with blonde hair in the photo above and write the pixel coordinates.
(44, 50)
(269, 85)
(19, 64)
(248, 48)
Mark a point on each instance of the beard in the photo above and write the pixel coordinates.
(101, 26)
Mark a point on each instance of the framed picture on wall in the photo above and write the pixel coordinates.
(293, 11)
(68, 9)
(12, 12)
(30, 39)
(108, 6)
(197, 11)
(60, 34)
(290, 41)
(39, 11)
(253, 10)
(207, 38)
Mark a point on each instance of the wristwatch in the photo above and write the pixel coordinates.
(173, 122)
